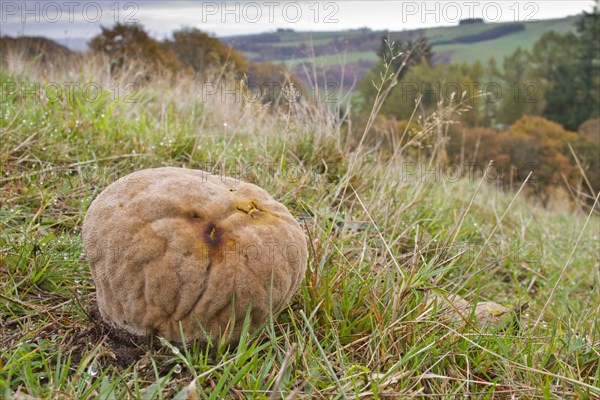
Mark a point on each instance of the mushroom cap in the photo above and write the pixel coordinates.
(175, 247)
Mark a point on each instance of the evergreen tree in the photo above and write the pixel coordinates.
(573, 91)
(491, 93)
(515, 94)
(553, 71)
(588, 28)
(417, 52)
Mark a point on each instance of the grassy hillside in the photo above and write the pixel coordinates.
(469, 52)
(328, 49)
(498, 48)
(389, 247)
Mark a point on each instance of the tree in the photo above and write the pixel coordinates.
(273, 83)
(571, 66)
(550, 50)
(198, 51)
(532, 144)
(393, 55)
(409, 52)
(130, 42)
(541, 146)
(491, 93)
(552, 72)
(588, 28)
(518, 92)
(563, 98)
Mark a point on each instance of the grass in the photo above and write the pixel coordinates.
(383, 240)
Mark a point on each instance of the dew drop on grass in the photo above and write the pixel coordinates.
(175, 350)
(177, 369)
(93, 369)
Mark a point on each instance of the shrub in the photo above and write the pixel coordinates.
(590, 130)
(532, 144)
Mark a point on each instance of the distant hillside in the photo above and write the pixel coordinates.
(42, 48)
(356, 49)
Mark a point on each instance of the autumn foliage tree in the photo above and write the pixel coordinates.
(273, 83)
(129, 43)
(198, 50)
(532, 144)
(587, 149)
(537, 145)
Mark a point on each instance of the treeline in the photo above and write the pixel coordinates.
(190, 52)
(490, 34)
(521, 111)
(272, 46)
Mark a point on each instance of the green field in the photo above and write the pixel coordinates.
(390, 243)
(334, 59)
(501, 47)
(463, 52)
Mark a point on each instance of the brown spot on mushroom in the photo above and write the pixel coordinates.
(212, 235)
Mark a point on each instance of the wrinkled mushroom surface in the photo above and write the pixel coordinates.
(171, 246)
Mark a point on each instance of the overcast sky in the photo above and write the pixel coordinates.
(77, 20)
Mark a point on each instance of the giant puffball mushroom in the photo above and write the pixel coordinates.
(175, 247)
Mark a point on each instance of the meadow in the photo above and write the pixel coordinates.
(385, 239)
